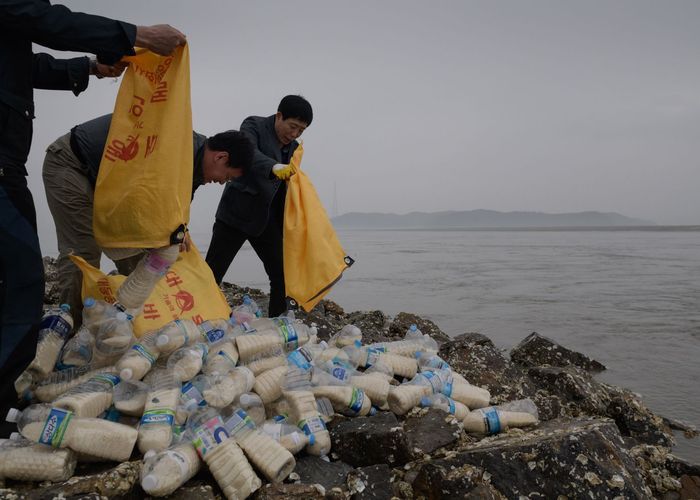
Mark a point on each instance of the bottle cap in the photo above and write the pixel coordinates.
(246, 399)
(162, 340)
(424, 401)
(149, 454)
(413, 327)
(15, 436)
(89, 302)
(323, 344)
(357, 343)
(65, 307)
(13, 415)
(149, 483)
(126, 373)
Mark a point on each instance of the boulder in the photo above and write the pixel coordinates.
(314, 470)
(402, 321)
(372, 482)
(431, 429)
(537, 350)
(363, 441)
(372, 325)
(572, 458)
(288, 491)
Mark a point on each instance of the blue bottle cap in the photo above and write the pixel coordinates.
(89, 302)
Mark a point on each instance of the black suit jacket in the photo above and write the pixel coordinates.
(246, 201)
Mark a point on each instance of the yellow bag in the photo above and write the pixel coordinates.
(187, 290)
(313, 258)
(144, 186)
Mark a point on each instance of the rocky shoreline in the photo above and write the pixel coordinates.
(594, 440)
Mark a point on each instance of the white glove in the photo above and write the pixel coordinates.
(283, 171)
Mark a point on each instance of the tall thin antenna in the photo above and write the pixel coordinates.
(335, 200)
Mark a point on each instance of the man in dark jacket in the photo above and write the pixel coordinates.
(252, 206)
(23, 22)
(70, 172)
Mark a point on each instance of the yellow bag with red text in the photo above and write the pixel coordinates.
(144, 185)
(188, 290)
(314, 260)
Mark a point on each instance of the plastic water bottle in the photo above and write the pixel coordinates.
(287, 435)
(186, 362)
(366, 356)
(176, 334)
(96, 312)
(55, 327)
(138, 286)
(271, 332)
(78, 350)
(25, 460)
(429, 361)
(223, 357)
(346, 399)
(445, 404)
(268, 456)
(61, 429)
(268, 385)
(165, 471)
(246, 312)
(137, 361)
(221, 390)
(304, 412)
(375, 386)
(114, 337)
(252, 404)
(223, 456)
(155, 429)
(129, 397)
(408, 395)
(347, 335)
(59, 382)
(215, 330)
(90, 398)
(494, 419)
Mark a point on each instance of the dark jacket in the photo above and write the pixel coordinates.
(247, 200)
(88, 140)
(55, 26)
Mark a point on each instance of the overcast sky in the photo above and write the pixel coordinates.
(553, 106)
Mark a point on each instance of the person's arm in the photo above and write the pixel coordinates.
(262, 164)
(56, 27)
(60, 74)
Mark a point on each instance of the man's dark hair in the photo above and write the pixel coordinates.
(295, 106)
(239, 148)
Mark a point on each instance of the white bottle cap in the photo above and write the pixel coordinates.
(149, 454)
(161, 340)
(246, 399)
(126, 373)
(149, 483)
(13, 415)
(15, 436)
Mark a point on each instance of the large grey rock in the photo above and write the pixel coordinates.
(362, 441)
(402, 321)
(432, 429)
(537, 350)
(288, 491)
(436, 480)
(314, 470)
(372, 482)
(572, 458)
(371, 323)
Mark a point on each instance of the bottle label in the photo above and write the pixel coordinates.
(356, 399)
(156, 264)
(191, 392)
(106, 377)
(55, 427)
(312, 425)
(226, 357)
(340, 373)
(55, 323)
(451, 406)
(238, 422)
(209, 435)
(373, 354)
(161, 416)
(180, 460)
(287, 333)
(491, 420)
(211, 333)
(141, 350)
(300, 358)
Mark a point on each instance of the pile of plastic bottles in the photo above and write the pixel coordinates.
(242, 395)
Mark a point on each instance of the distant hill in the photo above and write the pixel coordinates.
(483, 219)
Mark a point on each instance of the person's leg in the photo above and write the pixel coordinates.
(225, 243)
(70, 198)
(126, 266)
(21, 287)
(268, 246)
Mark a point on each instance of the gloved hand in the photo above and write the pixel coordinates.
(283, 171)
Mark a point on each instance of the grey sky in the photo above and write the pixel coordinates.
(551, 106)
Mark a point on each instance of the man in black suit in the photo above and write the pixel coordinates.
(252, 206)
(23, 22)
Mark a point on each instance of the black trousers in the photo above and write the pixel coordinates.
(226, 241)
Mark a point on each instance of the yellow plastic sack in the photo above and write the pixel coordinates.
(187, 290)
(313, 258)
(144, 185)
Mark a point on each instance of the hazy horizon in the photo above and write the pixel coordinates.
(511, 106)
